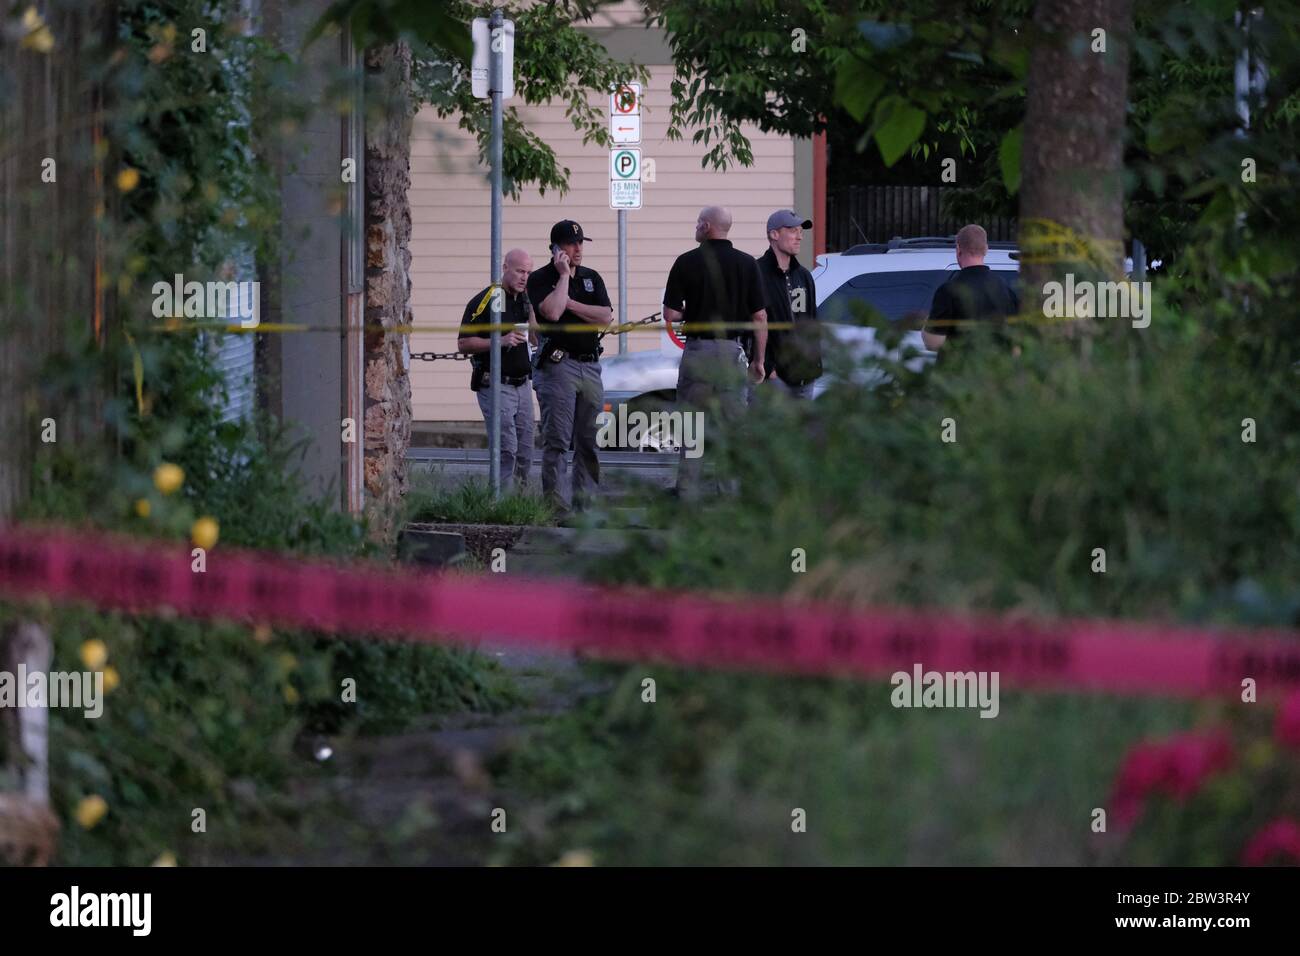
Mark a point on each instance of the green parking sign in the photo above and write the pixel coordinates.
(624, 164)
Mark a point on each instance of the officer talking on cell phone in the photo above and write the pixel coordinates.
(572, 307)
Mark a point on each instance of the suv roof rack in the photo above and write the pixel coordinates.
(916, 242)
(939, 242)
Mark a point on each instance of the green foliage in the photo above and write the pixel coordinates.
(554, 60)
(898, 124)
(1132, 443)
(471, 502)
(710, 773)
(791, 68)
(207, 714)
(1009, 158)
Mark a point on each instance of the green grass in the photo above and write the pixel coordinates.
(431, 500)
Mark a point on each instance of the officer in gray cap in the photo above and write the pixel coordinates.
(572, 299)
(794, 349)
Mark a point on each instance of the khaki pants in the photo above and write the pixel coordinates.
(711, 379)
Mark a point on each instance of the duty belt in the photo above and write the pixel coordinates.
(485, 379)
(559, 355)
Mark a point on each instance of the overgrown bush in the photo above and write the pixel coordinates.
(1128, 441)
(200, 715)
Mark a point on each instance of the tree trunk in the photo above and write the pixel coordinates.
(49, 191)
(1072, 191)
(387, 429)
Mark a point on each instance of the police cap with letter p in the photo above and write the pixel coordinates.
(566, 230)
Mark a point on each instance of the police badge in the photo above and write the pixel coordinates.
(587, 284)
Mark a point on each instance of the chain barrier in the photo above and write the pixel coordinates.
(435, 356)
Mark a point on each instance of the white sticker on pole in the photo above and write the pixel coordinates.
(482, 62)
(625, 101)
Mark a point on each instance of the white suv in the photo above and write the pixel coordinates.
(894, 280)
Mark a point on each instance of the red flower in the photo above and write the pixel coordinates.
(1279, 838)
(1176, 767)
(1288, 721)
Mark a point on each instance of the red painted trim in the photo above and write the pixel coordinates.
(819, 194)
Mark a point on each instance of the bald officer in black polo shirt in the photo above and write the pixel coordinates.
(717, 291)
(567, 294)
(475, 339)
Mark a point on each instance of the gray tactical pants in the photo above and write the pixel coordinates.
(571, 395)
(711, 379)
(516, 431)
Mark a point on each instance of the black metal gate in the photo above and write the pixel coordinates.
(856, 214)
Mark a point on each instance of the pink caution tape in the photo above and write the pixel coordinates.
(707, 631)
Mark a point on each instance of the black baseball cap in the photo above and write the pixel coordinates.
(566, 230)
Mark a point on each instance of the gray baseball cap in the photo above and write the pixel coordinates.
(784, 218)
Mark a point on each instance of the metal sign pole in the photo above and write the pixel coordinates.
(622, 279)
(495, 86)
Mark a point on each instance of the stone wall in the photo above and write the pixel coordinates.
(387, 427)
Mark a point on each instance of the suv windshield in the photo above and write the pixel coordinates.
(892, 295)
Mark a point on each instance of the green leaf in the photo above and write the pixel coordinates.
(898, 125)
(1009, 159)
(856, 86)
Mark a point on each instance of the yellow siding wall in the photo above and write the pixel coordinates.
(451, 215)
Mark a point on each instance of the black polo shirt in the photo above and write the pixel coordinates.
(514, 310)
(585, 286)
(712, 284)
(973, 295)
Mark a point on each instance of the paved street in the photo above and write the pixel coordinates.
(620, 470)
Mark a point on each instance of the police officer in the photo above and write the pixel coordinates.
(975, 294)
(572, 306)
(716, 289)
(474, 339)
(794, 349)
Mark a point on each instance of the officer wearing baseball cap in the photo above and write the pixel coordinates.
(570, 297)
(794, 349)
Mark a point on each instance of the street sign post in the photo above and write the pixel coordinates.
(492, 75)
